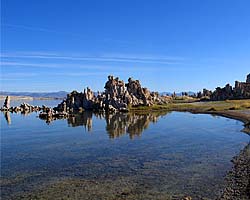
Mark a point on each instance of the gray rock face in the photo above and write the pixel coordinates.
(76, 101)
(207, 93)
(114, 87)
(140, 96)
(242, 89)
(223, 93)
(117, 96)
(114, 95)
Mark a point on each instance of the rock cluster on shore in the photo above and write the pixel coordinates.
(22, 108)
(241, 90)
(47, 113)
(120, 96)
(117, 96)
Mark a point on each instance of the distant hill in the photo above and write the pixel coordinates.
(60, 94)
(177, 94)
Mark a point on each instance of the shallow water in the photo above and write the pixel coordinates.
(118, 156)
(35, 102)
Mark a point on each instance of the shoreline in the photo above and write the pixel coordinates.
(238, 178)
(234, 109)
(236, 115)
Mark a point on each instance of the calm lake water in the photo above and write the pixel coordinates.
(117, 156)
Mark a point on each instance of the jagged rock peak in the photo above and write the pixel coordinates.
(248, 78)
(7, 102)
(117, 96)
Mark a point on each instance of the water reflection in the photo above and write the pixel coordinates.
(130, 123)
(117, 124)
(83, 119)
(7, 117)
(182, 155)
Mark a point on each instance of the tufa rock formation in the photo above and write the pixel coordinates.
(24, 108)
(248, 78)
(222, 93)
(117, 96)
(6, 104)
(241, 90)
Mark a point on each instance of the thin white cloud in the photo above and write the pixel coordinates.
(39, 29)
(102, 58)
(53, 31)
(145, 57)
(52, 65)
(64, 67)
(13, 79)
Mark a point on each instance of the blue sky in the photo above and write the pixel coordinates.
(170, 45)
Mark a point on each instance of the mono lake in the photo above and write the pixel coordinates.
(117, 156)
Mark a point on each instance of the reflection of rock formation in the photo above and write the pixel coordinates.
(26, 112)
(7, 117)
(131, 123)
(81, 119)
(117, 124)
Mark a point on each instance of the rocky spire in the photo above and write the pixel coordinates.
(248, 78)
(7, 102)
(117, 96)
